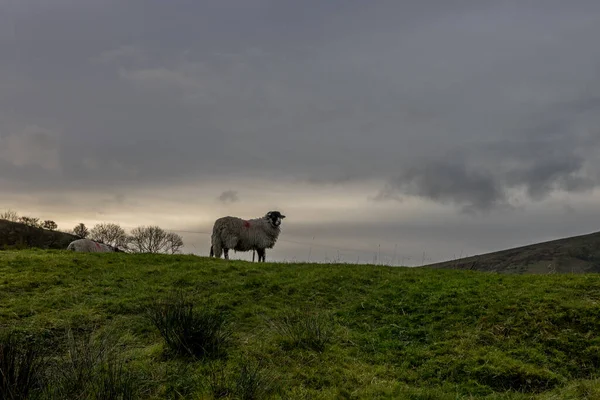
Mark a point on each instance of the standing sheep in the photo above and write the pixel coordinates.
(87, 245)
(245, 235)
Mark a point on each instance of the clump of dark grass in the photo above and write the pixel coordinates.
(91, 368)
(113, 381)
(249, 380)
(253, 380)
(21, 365)
(200, 332)
(217, 381)
(304, 329)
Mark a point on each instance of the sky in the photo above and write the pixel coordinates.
(388, 131)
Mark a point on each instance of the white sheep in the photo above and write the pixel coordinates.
(245, 235)
(87, 245)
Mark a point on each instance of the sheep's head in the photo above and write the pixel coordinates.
(274, 218)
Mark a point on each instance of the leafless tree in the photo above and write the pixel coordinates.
(153, 239)
(30, 221)
(174, 243)
(109, 233)
(147, 239)
(50, 225)
(9, 215)
(81, 230)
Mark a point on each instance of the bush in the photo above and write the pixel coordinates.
(200, 333)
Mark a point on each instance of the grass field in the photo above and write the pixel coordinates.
(89, 326)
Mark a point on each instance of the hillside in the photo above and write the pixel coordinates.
(17, 235)
(578, 254)
(296, 331)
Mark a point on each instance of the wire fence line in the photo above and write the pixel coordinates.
(377, 258)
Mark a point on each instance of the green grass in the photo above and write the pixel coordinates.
(303, 331)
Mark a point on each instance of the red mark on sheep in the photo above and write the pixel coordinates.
(246, 224)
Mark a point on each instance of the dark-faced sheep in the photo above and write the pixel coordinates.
(90, 246)
(233, 233)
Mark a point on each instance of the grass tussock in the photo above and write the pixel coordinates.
(254, 380)
(21, 365)
(188, 330)
(92, 368)
(251, 379)
(304, 328)
(217, 381)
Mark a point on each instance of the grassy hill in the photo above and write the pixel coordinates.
(17, 235)
(293, 331)
(578, 254)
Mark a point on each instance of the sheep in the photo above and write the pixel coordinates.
(87, 245)
(245, 235)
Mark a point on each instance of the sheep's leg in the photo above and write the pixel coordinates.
(231, 243)
(261, 254)
(215, 249)
(226, 253)
(253, 255)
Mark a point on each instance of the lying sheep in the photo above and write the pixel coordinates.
(87, 245)
(245, 235)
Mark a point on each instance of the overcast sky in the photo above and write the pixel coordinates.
(416, 130)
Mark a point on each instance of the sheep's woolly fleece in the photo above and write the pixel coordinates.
(243, 235)
(87, 245)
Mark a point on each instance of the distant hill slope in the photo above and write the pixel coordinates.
(17, 235)
(577, 254)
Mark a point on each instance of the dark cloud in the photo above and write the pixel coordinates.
(555, 152)
(229, 196)
(448, 182)
(137, 106)
(468, 103)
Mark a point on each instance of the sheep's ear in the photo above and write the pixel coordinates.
(282, 216)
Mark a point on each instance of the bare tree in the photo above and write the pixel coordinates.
(81, 230)
(147, 239)
(30, 221)
(9, 215)
(174, 243)
(153, 239)
(109, 233)
(50, 225)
